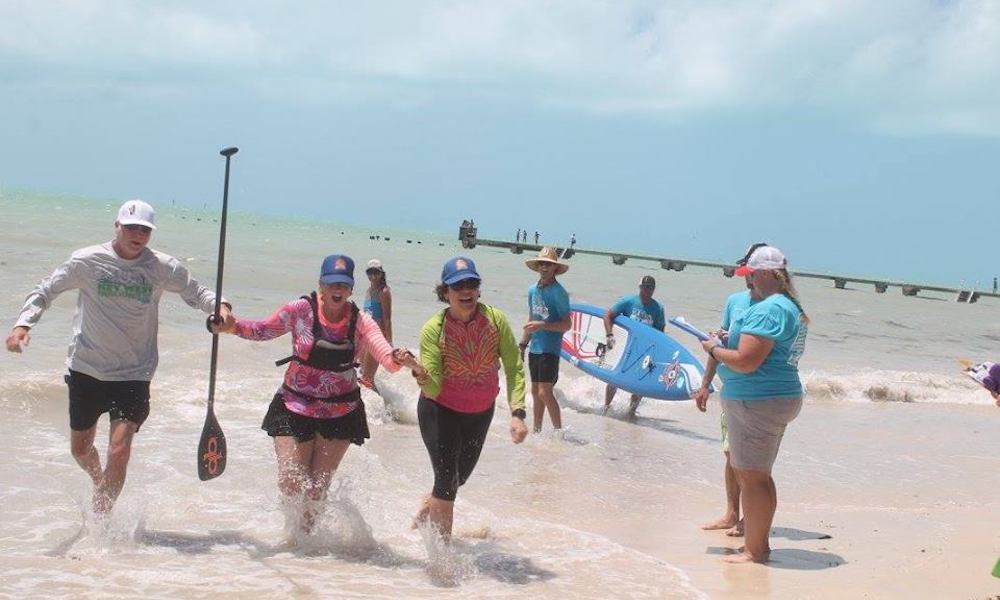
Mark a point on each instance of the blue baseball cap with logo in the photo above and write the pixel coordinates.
(458, 269)
(337, 268)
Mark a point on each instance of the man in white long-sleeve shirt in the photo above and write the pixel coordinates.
(113, 354)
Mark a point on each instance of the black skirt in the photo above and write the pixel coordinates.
(279, 421)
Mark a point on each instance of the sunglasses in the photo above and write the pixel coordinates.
(465, 284)
(746, 257)
(141, 228)
(373, 271)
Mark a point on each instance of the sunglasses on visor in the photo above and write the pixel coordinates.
(746, 257)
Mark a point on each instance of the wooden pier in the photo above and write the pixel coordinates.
(469, 239)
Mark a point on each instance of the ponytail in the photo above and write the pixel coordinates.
(788, 289)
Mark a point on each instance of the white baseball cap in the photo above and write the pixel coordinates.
(137, 212)
(374, 264)
(765, 258)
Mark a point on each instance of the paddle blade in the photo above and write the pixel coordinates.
(211, 449)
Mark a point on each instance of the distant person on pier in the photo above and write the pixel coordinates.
(536, 237)
(572, 240)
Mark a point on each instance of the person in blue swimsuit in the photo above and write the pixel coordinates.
(640, 307)
(378, 304)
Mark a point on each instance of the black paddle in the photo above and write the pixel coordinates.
(212, 446)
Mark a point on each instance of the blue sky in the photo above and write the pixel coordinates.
(859, 137)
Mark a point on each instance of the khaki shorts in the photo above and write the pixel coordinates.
(755, 429)
(725, 431)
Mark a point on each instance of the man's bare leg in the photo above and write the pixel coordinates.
(548, 396)
(609, 395)
(119, 451)
(85, 454)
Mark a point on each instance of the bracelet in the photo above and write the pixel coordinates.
(711, 352)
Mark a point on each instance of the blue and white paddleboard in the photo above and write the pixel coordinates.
(644, 361)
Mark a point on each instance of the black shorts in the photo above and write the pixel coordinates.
(279, 421)
(544, 368)
(90, 397)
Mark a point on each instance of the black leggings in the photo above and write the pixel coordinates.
(454, 441)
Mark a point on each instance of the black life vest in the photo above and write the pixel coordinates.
(328, 355)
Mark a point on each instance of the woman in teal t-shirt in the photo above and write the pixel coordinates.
(761, 390)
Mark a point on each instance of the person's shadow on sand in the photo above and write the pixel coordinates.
(804, 560)
(509, 568)
(795, 558)
(790, 533)
(792, 558)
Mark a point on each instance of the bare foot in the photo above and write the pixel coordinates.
(481, 533)
(102, 503)
(422, 513)
(736, 530)
(746, 557)
(722, 523)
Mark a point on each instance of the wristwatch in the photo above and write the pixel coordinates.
(519, 413)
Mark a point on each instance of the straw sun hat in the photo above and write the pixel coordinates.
(547, 255)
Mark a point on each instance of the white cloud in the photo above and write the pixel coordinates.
(901, 65)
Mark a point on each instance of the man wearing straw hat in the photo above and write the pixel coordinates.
(548, 319)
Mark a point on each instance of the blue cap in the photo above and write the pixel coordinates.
(337, 268)
(458, 269)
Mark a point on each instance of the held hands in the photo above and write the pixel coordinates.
(404, 357)
(518, 430)
(226, 322)
(18, 339)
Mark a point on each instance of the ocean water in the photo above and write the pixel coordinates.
(581, 515)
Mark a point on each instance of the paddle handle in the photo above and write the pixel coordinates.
(228, 153)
